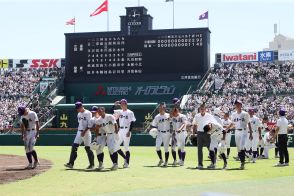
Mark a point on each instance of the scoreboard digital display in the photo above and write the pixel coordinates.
(156, 55)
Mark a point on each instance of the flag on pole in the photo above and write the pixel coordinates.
(71, 22)
(102, 8)
(203, 16)
(169, 0)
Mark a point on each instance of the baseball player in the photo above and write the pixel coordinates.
(100, 136)
(179, 122)
(264, 130)
(83, 135)
(162, 122)
(226, 123)
(108, 124)
(126, 123)
(251, 145)
(217, 135)
(240, 120)
(30, 132)
(269, 142)
(217, 115)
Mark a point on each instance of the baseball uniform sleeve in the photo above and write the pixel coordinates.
(35, 116)
(113, 120)
(88, 118)
(154, 122)
(132, 117)
(247, 118)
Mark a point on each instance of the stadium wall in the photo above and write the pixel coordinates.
(63, 138)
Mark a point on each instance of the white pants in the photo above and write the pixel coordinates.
(252, 143)
(124, 139)
(112, 142)
(162, 138)
(181, 138)
(228, 139)
(86, 139)
(240, 139)
(214, 141)
(101, 140)
(268, 146)
(30, 141)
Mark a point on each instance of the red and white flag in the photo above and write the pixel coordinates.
(102, 8)
(71, 22)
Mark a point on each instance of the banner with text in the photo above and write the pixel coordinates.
(286, 55)
(261, 56)
(37, 63)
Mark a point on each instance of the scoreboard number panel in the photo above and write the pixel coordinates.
(162, 57)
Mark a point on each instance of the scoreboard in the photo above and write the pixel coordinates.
(153, 55)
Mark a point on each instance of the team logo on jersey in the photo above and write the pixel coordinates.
(239, 119)
(122, 116)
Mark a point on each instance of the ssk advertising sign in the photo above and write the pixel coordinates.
(37, 63)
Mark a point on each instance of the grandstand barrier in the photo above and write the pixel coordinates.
(65, 138)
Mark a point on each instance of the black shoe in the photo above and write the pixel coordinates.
(68, 165)
(90, 167)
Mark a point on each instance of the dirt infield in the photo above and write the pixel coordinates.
(12, 168)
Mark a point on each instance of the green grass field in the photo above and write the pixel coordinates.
(143, 178)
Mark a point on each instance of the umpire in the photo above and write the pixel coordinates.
(203, 139)
(282, 131)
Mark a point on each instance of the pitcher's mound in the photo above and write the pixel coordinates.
(12, 168)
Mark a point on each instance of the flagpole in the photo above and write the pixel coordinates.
(173, 14)
(108, 15)
(208, 18)
(75, 24)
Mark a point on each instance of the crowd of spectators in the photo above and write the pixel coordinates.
(17, 88)
(265, 86)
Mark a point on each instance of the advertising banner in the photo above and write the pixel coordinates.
(286, 55)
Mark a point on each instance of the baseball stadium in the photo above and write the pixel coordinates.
(146, 98)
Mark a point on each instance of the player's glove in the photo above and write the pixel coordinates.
(25, 123)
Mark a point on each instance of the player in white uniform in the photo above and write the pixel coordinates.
(100, 136)
(179, 123)
(126, 123)
(217, 135)
(226, 123)
(83, 135)
(240, 122)
(268, 142)
(108, 124)
(30, 132)
(251, 145)
(162, 122)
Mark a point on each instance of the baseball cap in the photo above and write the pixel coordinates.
(282, 112)
(21, 110)
(78, 105)
(94, 109)
(123, 101)
(238, 101)
(251, 109)
(176, 100)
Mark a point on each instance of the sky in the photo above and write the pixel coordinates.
(35, 28)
